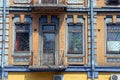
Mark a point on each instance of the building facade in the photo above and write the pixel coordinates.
(61, 39)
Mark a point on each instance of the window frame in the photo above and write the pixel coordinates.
(40, 39)
(49, 31)
(83, 40)
(41, 31)
(105, 33)
(16, 53)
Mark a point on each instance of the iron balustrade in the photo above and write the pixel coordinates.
(50, 2)
(48, 58)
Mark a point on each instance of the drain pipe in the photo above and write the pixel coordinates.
(92, 39)
(3, 38)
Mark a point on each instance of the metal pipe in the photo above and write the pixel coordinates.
(92, 39)
(3, 37)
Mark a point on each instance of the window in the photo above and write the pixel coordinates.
(48, 39)
(112, 2)
(22, 32)
(75, 39)
(113, 38)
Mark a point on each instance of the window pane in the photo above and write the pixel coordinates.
(49, 28)
(22, 38)
(48, 41)
(113, 39)
(75, 42)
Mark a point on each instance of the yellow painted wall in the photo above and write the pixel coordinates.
(45, 75)
(105, 76)
(100, 39)
(30, 76)
(16, 76)
(75, 76)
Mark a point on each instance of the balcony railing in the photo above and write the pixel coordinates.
(48, 58)
(49, 3)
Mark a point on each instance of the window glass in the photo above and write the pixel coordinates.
(113, 38)
(22, 37)
(75, 40)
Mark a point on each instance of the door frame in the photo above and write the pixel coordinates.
(40, 41)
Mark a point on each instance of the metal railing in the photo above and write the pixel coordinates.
(44, 2)
(48, 58)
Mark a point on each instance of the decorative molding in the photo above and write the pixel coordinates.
(6, 51)
(21, 59)
(75, 1)
(113, 60)
(70, 19)
(80, 19)
(118, 19)
(108, 19)
(5, 60)
(22, 1)
(74, 59)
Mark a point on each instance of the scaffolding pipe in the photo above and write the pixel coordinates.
(92, 39)
(3, 38)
